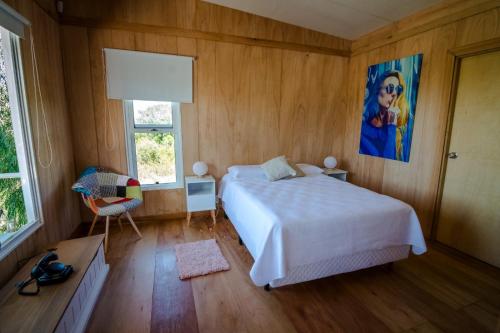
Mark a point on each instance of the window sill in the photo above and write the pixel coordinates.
(155, 187)
(15, 240)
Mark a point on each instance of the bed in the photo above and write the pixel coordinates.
(315, 226)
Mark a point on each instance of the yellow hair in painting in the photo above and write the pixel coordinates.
(402, 104)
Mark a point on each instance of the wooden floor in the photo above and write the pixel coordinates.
(429, 293)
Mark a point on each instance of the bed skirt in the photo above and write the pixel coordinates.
(344, 264)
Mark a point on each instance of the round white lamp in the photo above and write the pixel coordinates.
(330, 162)
(200, 168)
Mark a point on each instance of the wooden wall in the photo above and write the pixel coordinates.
(432, 33)
(196, 15)
(251, 103)
(254, 102)
(59, 203)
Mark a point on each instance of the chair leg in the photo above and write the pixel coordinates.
(212, 213)
(120, 222)
(133, 224)
(93, 224)
(106, 241)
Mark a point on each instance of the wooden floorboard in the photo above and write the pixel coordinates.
(173, 303)
(435, 292)
(125, 301)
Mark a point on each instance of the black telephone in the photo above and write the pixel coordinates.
(45, 272)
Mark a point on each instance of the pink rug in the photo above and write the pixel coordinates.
(199, 258)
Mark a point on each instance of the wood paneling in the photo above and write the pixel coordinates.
(416, 182)
(447, 12)
(246, 103)
(205, 101)
(59, 203)
(433, 292)
(196, 15)
(250, 103)
(253, 102)
(80, 97)
(313, 100)
(196, 34)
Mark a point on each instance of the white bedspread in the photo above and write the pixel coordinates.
(305, 220)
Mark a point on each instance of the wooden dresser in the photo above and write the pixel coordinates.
(64, 307)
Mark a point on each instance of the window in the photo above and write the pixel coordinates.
(153, 134)
(19, 203)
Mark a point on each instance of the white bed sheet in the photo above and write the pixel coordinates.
(300, 221)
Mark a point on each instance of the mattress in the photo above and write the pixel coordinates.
(305, 221)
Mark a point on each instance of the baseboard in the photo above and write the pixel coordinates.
(155, 218)
(160, 217)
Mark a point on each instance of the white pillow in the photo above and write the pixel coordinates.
(246, 171)
(278, 168)
(310, 169)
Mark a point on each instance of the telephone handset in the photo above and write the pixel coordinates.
(45, 272)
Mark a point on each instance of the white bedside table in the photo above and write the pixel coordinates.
(336, 173)
(200, 195)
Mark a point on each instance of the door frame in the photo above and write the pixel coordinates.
(456, 54)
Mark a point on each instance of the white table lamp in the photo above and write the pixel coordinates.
(330, 162)
(200, 168)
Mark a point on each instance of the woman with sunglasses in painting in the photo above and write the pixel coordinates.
(385, 117)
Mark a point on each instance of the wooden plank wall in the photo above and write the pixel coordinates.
(197, 15)
(416, 182)
(251, 103)
(59, 203)
(254, 102)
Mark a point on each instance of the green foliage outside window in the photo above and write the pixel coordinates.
(155, 151)
(12, 205)
(155, 157)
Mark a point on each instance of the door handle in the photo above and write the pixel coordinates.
(453, 155)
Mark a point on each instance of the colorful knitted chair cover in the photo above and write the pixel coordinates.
(107, 193)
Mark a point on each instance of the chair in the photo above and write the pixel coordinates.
(108, 194)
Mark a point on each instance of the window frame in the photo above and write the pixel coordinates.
(24, 144)
(131, 128)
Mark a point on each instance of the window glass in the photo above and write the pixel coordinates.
(152, 113)
(19, 209)
(12, 208)
(8, 157)
(154, 152)
(155, 158)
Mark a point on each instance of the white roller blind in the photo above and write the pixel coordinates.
(12, 20)
(149, 76)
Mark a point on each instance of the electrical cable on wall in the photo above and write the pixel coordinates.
(107, 114)
(41, 109)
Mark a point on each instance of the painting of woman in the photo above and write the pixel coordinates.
(389, 108)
